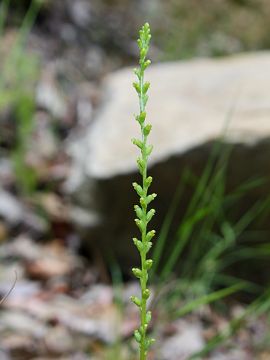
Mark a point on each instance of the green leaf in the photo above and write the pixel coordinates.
(209, 298)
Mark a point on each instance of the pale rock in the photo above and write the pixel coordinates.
(49, 96)
(80, 12)
(191, 104)
(234, 354)
(10, 208)
(184, 343)
(23, 324)
(59, 340)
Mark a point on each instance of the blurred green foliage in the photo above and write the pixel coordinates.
(19, 7)
(19, 72)
(198, 263)
(197, 267)
(183, 29)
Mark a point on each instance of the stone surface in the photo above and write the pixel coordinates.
(191, 105)
(10, 208)
(184, 343)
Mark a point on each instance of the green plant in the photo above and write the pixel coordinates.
(183, 29)
(208, 233)
(143, 215)
(19, 72)
(259, 306)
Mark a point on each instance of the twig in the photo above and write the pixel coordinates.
(10, 290)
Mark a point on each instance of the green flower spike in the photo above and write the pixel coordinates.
(143, 214)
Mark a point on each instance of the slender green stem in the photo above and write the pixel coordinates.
(143, 279)
(143, 215)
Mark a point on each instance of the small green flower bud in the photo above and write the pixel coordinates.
(146, 87)
(148, 246)
(149, 342)
(137, 87)
(142, 117)
(143, 52)
(147, 129)
(140, 164)
(137, 336)
(138, 244)
(146, 294)
(137, 272)
(137, 72)
(149, 181)
(148, 317)
(150, 198)
(142, 202)
(142, 329)
(149, 150)
(149, 264)
(145, 99)
(150, 235)
(146, 64)
(135, 300)
(138, 189)
(139, 223)
(138, 143)
(150, 214)
(138, 211)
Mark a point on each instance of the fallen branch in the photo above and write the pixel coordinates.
(10, 290)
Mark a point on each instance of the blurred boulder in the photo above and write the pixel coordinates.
(11, 209)
(187, 340)
(49, 97)
(191, 104)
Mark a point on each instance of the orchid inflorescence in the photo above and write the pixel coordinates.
(143, 214)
